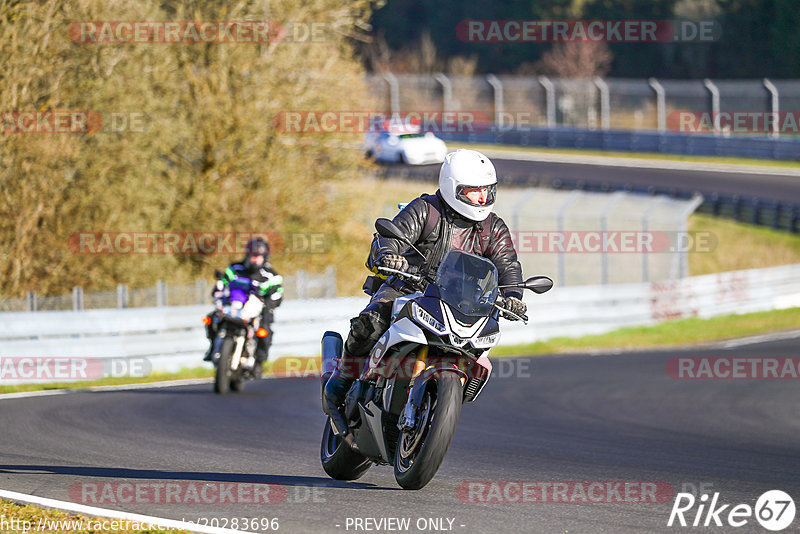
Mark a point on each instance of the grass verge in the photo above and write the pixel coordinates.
(31, 518)
(646, 155)
(741, 246)
(197, 372)
(668, 334)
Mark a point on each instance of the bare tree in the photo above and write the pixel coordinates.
(576, 59)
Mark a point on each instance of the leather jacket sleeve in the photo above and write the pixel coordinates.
(502, 253)
(411, 220)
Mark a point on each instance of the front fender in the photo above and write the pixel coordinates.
(421, 381)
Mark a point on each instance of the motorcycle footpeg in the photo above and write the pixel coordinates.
(338, 422)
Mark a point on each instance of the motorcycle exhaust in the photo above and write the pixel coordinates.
(332, 347)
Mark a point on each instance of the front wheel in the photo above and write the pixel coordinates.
(420, 453)
(339, 461)
(222, 378)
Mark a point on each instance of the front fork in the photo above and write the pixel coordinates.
(408, 419)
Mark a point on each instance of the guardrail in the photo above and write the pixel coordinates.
(299, 285)
(173, 337)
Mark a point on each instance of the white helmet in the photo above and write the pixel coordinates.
(467, 168)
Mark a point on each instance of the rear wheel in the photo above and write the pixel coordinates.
(420, 453)
(222, 378)
(339, 461)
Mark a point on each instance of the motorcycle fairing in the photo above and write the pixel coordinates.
(401, 330)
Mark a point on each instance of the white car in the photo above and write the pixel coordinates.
(397, 143)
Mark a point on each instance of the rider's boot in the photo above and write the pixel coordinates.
(336, 390)
(209, 352)
(210, 334)
(261, 356)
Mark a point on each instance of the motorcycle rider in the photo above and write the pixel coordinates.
(459, 216)
(255, 271)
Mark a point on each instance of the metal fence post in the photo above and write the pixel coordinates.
(573, 196)
(680, 261)
(497, 89)
(515, 210)
(30, 301)
(330, 282)
(615, 197)
(550, 100)
(714, 92)
(447, 91)
(661, 104)
(654, 202)
(605, 103)
(161, 293)
(774, 107)
(122, 296)
(394, 91)
(300, 284)
(77, 298)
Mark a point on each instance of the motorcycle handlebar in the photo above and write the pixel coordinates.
(415, 277)
(514, 316)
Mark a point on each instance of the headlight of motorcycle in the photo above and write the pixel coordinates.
(486, 342)
(428, 321)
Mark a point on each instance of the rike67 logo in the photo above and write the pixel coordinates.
(774, 510)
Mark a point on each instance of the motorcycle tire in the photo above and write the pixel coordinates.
(222, 378)
(415, 466)
(339, 461)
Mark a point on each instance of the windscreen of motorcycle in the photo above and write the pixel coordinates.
(239, 290)
(468, 283)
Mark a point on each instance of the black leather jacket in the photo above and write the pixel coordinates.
(452, 232)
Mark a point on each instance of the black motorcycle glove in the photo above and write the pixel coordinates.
(515, 305)
(394, 261)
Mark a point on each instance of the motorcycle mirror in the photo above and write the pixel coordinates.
(538, 284)
(387, 228)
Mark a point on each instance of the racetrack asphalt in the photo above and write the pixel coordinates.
(774, 186)
(560, 418)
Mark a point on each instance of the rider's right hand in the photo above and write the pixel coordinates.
(394, 261)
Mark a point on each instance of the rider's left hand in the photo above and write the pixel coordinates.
(515, 305)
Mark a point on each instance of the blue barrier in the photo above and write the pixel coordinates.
(628, 141)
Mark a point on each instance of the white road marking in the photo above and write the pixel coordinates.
(114, 514)
(777, 336)
(120, 387)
